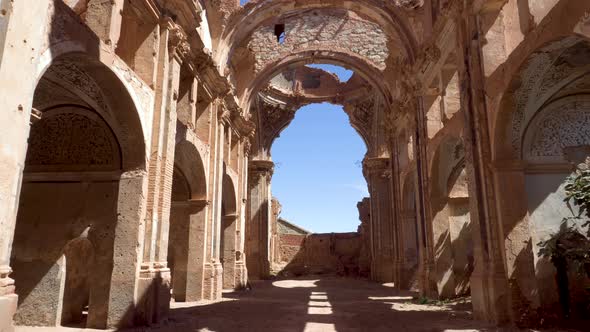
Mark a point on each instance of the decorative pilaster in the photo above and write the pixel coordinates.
(258, 218)
(378, 174)
(154, 275)
(489, 285)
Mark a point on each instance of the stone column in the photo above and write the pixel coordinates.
(364, 229)
(18, 69)
(258, 218)
(130, 210)
(197, 251)
(229, 251)
(509, 180)
(241, 270)
(426, 274)
(216, 264)
(212, 269)
(378, 174)
(154, 284)
(190, 217)
(489, 286)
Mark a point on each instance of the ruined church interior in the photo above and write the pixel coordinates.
(136, 165)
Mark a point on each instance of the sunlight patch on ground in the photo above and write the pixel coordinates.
(390, 298)
(295, 283)
(388, 284)
(319, 304)
(319, 327)
(416, 307)
(318, 297)
(319, 311)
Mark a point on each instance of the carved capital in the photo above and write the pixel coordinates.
(379, 166)
(258, 169)
(178, 45)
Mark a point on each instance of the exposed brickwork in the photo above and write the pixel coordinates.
(329, 30)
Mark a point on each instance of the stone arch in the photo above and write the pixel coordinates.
(277, 133)
(542, 77)
(540, 133)
(90, 78)
(186, 242)
(367, 72)
(84, 174)
(242, 24)
(189, 161)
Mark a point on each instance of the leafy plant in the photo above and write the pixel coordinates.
(577, 191)
(569, 245)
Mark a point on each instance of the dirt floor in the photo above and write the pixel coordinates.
(324, 305)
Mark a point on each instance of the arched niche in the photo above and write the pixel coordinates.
(186, 241)
(540, 135)
(229, 231)
(82, 177)
(451, 224)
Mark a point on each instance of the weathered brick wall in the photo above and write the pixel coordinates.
(335, 30)
(335, 253)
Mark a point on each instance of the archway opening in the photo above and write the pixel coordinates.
(542, 128)
(67, 249)
(64, 239)
(318, 181)
(179, 234)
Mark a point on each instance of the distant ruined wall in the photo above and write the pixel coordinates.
(333, 253)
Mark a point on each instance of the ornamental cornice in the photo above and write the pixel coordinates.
(178, 45)
(236, 118)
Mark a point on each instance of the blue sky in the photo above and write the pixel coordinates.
(343, 74)
(318, 176)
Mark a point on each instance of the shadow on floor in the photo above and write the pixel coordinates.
(306, 305)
